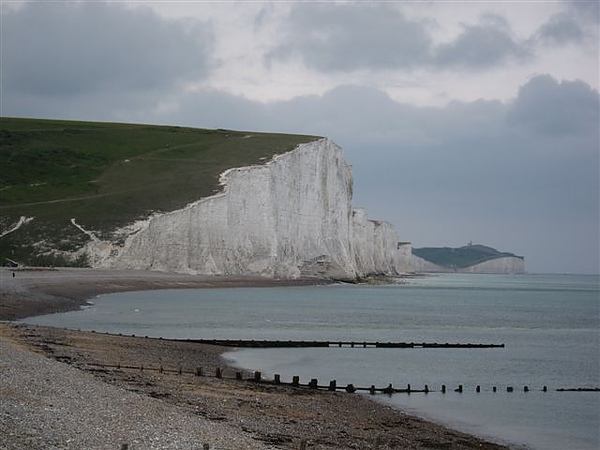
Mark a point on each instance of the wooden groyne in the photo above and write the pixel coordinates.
(333, 386)
(245, 343)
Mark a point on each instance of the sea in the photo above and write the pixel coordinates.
(549, 324)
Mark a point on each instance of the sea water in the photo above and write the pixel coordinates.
(550, 325)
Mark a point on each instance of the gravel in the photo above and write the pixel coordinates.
(49, 405)
(54, 396)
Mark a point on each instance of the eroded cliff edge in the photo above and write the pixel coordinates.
(288, 218)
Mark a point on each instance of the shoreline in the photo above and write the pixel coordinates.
(35, 292)
(274, 417)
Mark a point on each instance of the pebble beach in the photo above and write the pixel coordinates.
(68, 389)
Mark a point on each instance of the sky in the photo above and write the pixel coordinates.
(464, 121)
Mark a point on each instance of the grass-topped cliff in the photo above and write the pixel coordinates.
(459, 258)
(106, 175)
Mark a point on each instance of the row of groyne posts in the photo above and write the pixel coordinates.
(332, 386)
(314, 383)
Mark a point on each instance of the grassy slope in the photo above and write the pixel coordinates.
(107, 175)
(461, 257)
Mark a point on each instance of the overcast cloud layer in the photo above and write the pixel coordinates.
(464, 121)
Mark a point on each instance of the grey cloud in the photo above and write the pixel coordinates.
(577, 23)
(481, 47)
(69, 48)
(466, 171)
(262, 16)
(559, 30)
(207, 109)
(587, 11)
(345, 37)
(351, 36)
(548, 107)
(485, 171)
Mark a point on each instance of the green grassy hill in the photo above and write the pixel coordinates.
(459, 258)
(107, 175)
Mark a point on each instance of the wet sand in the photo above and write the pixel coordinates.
(248, 414)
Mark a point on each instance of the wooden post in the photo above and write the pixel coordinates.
(478, 389)
(219, 373)
(526, 389)
(295, 381)
(372, 389)
(302, 445)
(443, 388)
(239, 376)
(180, 370)
(124, 446)
(160, 369)
(545, 389)
(494, 389)
(314, 383)
(257, 376)
(408, 389)
(509, 389)
(332, 385)
(459, 389)
(205, 447)
(426, 389)
(350, 389)
(389, 390)
(198, 371)
(277, 378)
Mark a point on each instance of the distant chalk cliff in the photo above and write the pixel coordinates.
(467, 259)
(288, 218)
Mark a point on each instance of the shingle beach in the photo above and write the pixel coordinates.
(56, 395)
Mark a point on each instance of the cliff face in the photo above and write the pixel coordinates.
(505, 265)
(422, 265)
(375, 246)
(289, 217)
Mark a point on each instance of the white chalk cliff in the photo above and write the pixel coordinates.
(288, 218)
(504, 265)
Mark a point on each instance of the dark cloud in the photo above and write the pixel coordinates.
(577, 23)
(561, 29)
(587, 11)
(77, 48)
(482, 46)
(497, 173)
(548, 107)
(520, 176)
(343, 37)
